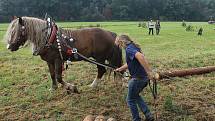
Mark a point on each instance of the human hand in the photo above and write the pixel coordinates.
(156, 76)
(153, 76)
(150, 76)
(118, 70)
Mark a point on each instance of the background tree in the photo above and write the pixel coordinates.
(99, 10)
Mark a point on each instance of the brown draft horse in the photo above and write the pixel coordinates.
(90, 42)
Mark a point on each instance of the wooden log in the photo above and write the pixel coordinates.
(111, 119)
(186, 72)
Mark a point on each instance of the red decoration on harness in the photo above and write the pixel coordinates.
(69, 51)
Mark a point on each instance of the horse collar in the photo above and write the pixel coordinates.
(53, 35)
(51, 38)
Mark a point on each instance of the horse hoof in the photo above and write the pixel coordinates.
(93, 85)
(53, 88)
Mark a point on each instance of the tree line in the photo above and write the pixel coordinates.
(104, 10)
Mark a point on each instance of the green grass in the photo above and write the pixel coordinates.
(25, 80)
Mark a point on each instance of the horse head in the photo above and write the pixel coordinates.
(22, 29)
(16, 34)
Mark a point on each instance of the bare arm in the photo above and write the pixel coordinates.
(122, 68)
(142, 60)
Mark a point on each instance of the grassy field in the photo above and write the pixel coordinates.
(25, 80)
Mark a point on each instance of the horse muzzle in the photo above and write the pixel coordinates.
(8, 46)
(12, 47)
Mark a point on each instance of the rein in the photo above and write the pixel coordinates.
(153, 89)
(95, 62)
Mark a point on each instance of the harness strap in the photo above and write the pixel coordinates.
(94, 62)
(154, 93)
(153, 89)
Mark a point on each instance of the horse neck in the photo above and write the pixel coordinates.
(36, 32)
(68, 32)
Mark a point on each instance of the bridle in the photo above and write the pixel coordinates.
(22, 36)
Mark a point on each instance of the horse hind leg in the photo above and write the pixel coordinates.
(101, 71)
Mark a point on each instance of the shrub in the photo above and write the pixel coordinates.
(189, 28)
(144, 25)
(139, 24)
(183, 24)
(98, 25)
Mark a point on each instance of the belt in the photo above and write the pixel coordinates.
(139, 78)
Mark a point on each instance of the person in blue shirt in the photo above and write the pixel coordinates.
(140, 72)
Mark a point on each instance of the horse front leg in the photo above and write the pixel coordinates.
(58, 75)
(54, 85)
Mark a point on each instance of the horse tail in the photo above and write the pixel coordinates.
(116, 57)
(116, 60)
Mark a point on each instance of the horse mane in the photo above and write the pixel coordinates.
(12, 28)
(34, 29)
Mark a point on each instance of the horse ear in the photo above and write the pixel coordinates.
(20, 21)
(14, 17)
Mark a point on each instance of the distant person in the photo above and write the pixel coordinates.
(200, 31)
(157, 27)
(151, 26)
(183, 23)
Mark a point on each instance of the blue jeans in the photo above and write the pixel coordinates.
(134, 99)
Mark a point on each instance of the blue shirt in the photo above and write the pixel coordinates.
(135, 68)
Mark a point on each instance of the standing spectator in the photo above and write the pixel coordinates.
(157, 26)
(183, 23)
(151, 27)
